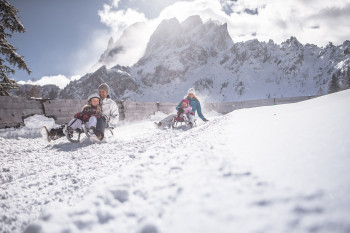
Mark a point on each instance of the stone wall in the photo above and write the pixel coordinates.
(15, 109)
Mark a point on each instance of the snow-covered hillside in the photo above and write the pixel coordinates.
(202, 55)
(273, 169)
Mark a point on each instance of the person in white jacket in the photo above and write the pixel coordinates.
(109, 110)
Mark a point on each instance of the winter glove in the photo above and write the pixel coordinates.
(205, 120)
(181, 110)
(78, 115)
(105, 117)
(85, 117)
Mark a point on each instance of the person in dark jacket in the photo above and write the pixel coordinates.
(89, 116)
(194, 103)
(109, 110)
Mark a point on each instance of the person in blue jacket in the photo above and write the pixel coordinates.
(194, 103)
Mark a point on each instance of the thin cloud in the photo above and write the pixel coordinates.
(59, 80)
(88, 54)
(279, 20)
(119, 20)
(247, 19)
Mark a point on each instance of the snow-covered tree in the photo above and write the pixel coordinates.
(9, 23)
(334, 84)
(347, 78)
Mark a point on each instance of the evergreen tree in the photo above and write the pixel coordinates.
(9, 23)
(347, 78)
(334, 84)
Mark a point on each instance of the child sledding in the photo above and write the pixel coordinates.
(184, 115)
(96, 117)
(174, 120)
(84, 121)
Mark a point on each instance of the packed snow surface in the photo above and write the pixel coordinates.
(273, 169)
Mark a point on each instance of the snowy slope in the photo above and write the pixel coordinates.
(281, 168)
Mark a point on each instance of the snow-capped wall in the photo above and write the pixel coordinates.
(16, 110)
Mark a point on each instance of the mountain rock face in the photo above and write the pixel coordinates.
(118, 78)
(202, 55)
(127, 50)
(35, 91)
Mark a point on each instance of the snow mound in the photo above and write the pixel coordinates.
(31, 128)
(158, 116)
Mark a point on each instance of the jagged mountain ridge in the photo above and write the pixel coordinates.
(203, 55)
(118, 78)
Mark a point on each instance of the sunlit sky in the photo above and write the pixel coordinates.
(64, 39)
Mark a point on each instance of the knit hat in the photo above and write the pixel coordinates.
(191, 91)
(186, 101)
(94, 96)
(104, 87)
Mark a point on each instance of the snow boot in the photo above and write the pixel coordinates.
(45, 134)
(96, 136)
(159, 124)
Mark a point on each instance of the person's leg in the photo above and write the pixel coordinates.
(190, 118)
(75, 123)
(166, 122)
(100, 127)
(92, 122)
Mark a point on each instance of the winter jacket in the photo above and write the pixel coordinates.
(110, 109)
(187, 110)
(89, 111)
(196, 106)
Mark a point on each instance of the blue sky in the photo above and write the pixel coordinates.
(64, 39)
(58, 33)
(54, 29)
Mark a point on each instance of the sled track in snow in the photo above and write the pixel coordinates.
(36, 173)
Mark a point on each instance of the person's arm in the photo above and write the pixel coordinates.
(85, 113)
(178, 107)
(113, 112)
(199, 111)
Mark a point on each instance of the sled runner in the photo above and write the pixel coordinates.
(75, 135)
(182, 120)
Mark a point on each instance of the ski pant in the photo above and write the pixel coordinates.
(166, 122)
(77, 123)
(190, 118)
(101, 124)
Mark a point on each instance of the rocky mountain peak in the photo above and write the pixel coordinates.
(164, 34)
(202, 55)
(292, 44)
(110, 43)
(191, 23)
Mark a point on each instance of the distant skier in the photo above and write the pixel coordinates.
(109, 109)
(193, 102)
